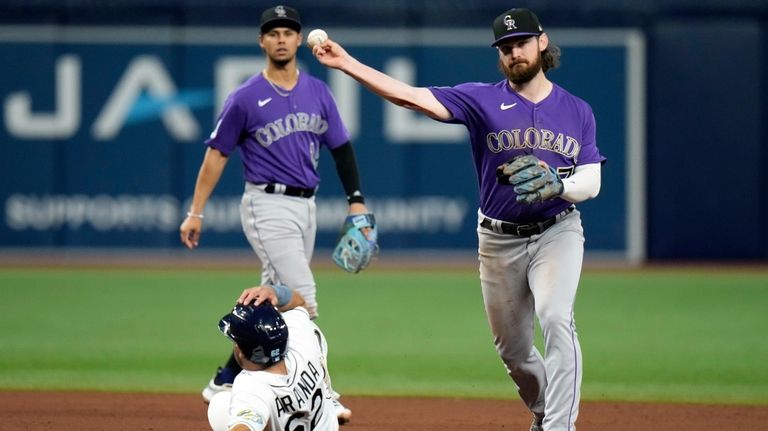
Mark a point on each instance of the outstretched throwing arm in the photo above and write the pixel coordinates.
(421, 99)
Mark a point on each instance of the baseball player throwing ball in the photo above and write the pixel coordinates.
(535, 154)
(279, 120)
(283, 382)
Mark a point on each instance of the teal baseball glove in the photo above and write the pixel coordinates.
(357, 243)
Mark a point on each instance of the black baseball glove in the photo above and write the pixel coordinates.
(533, 179)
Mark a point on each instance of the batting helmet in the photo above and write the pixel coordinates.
(259, 331)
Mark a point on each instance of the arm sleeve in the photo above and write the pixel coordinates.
(346, 167)
(583, 184)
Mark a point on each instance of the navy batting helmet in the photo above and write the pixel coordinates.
(259, 331)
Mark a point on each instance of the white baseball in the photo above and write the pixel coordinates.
(316, 37)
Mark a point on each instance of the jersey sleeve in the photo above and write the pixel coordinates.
(229, 127)
(248, 409)
(304, 334)
(455, 100)
(297, 320)
(337, 133)
(589, 152)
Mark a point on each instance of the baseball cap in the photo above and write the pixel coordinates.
(280, 16)
(515, 22)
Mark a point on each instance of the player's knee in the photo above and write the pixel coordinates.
(551, 319)
(218, 411)
(514, 356)
(515, 368)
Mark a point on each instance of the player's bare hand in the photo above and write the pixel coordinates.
(190, 231)
(330, 54)
(257, 295)
(360, 208)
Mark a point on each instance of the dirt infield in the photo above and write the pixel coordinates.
(86, 411)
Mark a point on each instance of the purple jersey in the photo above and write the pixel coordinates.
(279, 132)
(503, 124)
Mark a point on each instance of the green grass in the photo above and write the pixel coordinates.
(676, 336)
(655, 335)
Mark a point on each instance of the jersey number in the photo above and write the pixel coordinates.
(299, 420)
(566, 172)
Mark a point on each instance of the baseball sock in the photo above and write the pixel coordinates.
(232, 364)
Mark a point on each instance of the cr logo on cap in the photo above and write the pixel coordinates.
(280, 11)
(509, 22)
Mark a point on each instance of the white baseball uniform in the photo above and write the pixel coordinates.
(297, 401)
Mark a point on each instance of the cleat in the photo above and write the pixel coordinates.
(220, 382)
(343, 414)
(538, 423)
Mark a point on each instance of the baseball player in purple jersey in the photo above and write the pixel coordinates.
(278, 119)
(531, 241)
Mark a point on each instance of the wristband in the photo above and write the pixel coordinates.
(356, 198)
(283, 294)
(191, 214)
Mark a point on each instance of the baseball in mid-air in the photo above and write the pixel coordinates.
(316, 37)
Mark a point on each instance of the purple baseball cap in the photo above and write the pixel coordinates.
(280, 16)
(514, 23)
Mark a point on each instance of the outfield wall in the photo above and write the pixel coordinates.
(116, 117)
(105, 110)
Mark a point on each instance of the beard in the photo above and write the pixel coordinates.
(280, 62)
(521, 72)
(279, 59)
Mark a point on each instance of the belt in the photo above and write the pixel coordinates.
(528, 229)
(282, 189)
